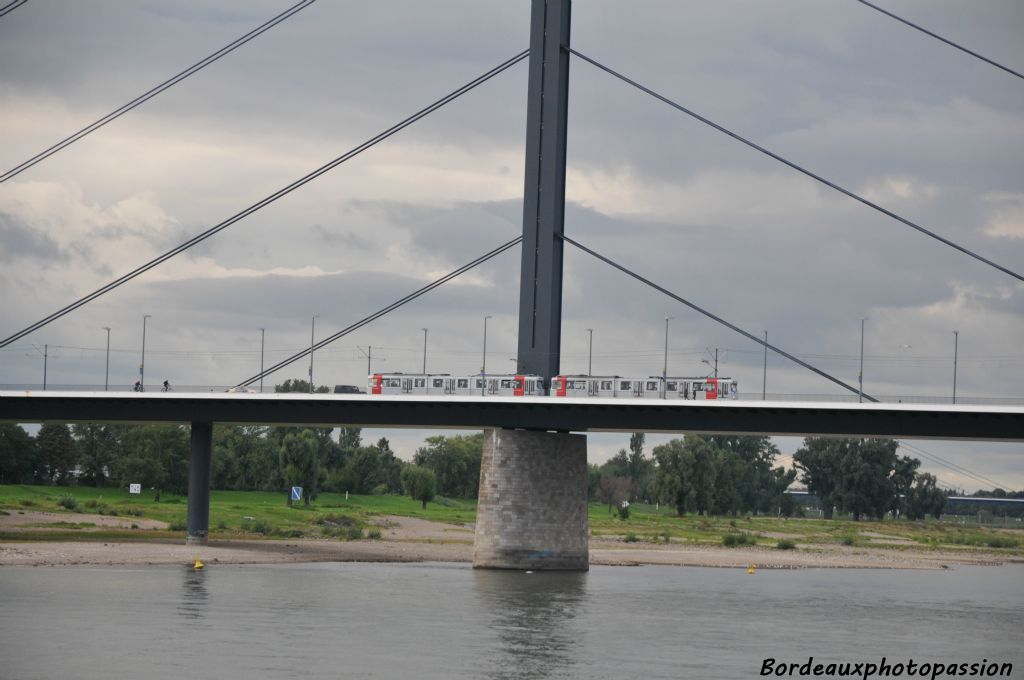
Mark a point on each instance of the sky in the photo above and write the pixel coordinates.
(928, 132)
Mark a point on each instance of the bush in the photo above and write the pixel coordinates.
(288, 533)
(68, 502)
(1000, 542)
(630, 538)
(91, 503)
(353, 533)
(666, 536)
(28, 503)
(847, 540)
(785, 544)
(736, 540)
(177, 526)
(222, 525)
(131, 510)
(374, 534)
(257, 527)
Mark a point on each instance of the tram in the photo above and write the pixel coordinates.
(578, 386)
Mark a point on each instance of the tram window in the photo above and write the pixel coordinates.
(438, 382)
(651, 385)
(672, 387)
(479, 383)
(505, 384)
(420, 382)
(606, 384)
(698, 387)
(518, 384)
(463, 382)
(732, 388)
(392, 382)
(624, 385)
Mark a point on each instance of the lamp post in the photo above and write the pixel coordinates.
(312, 331)
(956, 346)
(46, 356)
(664, 368)
(590, 352)
(483, 365)
(106, 373)
(860, 376)
(424, 350)
(142, 364)
(263, 332)
(764, 376)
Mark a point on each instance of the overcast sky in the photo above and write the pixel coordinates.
(927, 131)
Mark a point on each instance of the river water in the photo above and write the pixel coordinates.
(422, 621)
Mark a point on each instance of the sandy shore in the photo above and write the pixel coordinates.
(415, 540)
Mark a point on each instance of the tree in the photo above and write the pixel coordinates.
(420, 483)
(299, 457)
(244, 459)
(903, 476)
(455, 461)
(97, 447)
(854, 475)
(615, 490)
(299, 385)
(18, 455)
(639, 468)
(672, 483)
(925, 497)
(57, 452)
(155, 456)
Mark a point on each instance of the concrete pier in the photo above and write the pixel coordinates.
(532, 508)
(199, 484)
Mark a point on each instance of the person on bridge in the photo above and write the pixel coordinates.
(167, 386)
(138, 386)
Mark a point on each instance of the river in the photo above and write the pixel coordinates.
(427, 621)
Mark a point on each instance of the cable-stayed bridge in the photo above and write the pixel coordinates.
(529, 437)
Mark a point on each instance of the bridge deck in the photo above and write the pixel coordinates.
(967, 422)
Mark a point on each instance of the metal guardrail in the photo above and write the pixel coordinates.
(744, 396)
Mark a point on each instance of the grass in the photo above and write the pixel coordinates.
(256, 514)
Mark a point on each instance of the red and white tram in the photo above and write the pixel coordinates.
(652, 387)
(610, 387)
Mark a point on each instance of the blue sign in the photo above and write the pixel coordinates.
(296, 493)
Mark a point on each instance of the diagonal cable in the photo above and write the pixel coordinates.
(351, 153)
(796, 167)
(959, 469)
(385, 310)
(713, 317)
(146, 96)
(11, 6)
(939, 37)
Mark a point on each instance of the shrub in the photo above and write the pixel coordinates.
(222, 525)
(732, 523)
(785, 544)
(848, 540)
(630, 538)
(735, 540)
(666, 536)
(1001, 542)
(288, 533)
(353, 533)
(4, 512)
(374, 534)
(177, 526)
(91, 503)
(28, 503)
(134, 525)
(132, 510)
(68, 502)
(257, 527)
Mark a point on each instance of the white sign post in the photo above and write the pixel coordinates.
(134, 488)
(296, 493)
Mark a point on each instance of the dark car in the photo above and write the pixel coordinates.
(347, 389)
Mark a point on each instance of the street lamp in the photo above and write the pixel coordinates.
(590, 352)
(312, 331)
(664, 368)
(106, 373)
(860, 376)
(424, 350)
(956, 346)
(483, 366)
(263, 332)
(764, 376)
(142, 365)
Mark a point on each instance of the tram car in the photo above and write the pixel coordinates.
(496, 385)
(651, 387)
(609, 387)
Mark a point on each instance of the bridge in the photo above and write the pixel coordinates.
(532, 509)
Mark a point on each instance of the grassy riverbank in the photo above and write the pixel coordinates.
(82, 513)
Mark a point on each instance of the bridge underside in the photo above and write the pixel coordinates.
(974, 423)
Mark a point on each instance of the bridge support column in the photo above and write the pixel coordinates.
(532, 508)
(199, 484)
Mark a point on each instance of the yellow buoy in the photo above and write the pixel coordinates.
(198, 564)
(750, 569)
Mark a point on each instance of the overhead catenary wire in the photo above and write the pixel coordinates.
(940, 38)
(11, 6)
(959, 469)
(714, 317)
(385, 310)
(146, 96)
(351, 153)
(797, 167)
